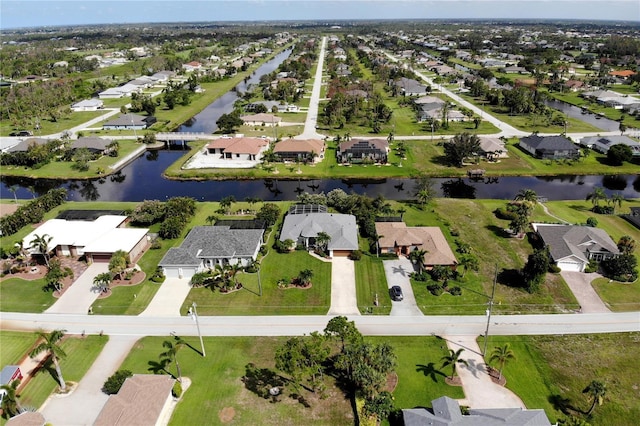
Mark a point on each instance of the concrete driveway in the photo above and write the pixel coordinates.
(81, 294)
(168, 299)
(397, 272)
(343, 287)
(580, 285)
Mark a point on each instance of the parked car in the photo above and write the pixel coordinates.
(396, 293)
(22, 133)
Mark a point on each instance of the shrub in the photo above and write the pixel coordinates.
(503, 213)
(592, 267)
(420, 276)
(592, 222)
(553, 268)
(156, 245)
(115, 382)
(435, 289)
(355, 255)
(455, 291)
(603, 209)
(177, 390)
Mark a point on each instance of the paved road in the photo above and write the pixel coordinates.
(580, 285)
(83, 405)
(312, 113)
(343, 287)
(371, 325)
(397, 273)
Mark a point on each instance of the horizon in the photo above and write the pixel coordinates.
(32, 14)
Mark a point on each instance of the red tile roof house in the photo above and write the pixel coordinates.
(300, 150)
(398, 238)
(238, 148)
(192, 66)
(143, 400)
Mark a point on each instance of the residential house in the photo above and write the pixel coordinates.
(409, 87)
(492, 148)
(549, 147)
(238, 148)
(515, 70)
(24, 145)
(129, 122)
(603, 143)
(162, 76)
(88, 105)
(573, 247)
(363, 150)
(27, 418)
(303, 228)
(143, 400)
(192, 66)
(446, 411)
(573, 85)
(300, 150)
(143, 82)
(93, 144)
(8, 374)
(119, 92)
(208, 246)
(633, 217)
(96, 239)
(261, 119)
(270, 105)
(398, 238)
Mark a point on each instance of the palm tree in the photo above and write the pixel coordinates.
(171, 354)
(453, 359)
(423, 197)
(50, 344)
(10, 405)
(13, 189)
(322, 240)
(596, 196)
(502, 354)
(211, 219)
(40, 243)
(417, 257)
(233, 271)
(467, 262)
(596, 391)
(118, 263)
(616, 198)
(102, 281)
(305, 276)
(528, 195)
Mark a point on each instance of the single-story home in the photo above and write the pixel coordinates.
(192, 66)
(96, 239)
(603, 143)
(27, 418)
(572, 246)
(206, 246)
(261, 119)
(359, 150)
(303, 228)
(446, 411)
(492, 148)
(238, 148)
(88, 105)
(93, 144)
(549, 147)
(24, 145)
(8, 374)
(409, 87)
(280, 107)
(119, 92)
(129, 122)
(398, 238)
(300, 150)
(143, 400)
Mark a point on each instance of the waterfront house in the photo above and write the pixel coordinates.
(400, 239)
(300, 150)
(129, 122)
(549, 147)
(262, 119)
(238, 148)
(363, 150)
(603, 143)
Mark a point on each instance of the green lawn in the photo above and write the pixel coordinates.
(216, 384)
(14, 346)
(550, 369)
(81, 353)
(619, 297)
(47, 126)
(18, 295)
(371, 280)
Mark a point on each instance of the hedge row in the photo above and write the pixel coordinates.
(32, 212)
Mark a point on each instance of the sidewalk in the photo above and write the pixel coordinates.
(479, 389)
(80, 295)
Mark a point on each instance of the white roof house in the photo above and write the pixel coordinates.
(119, 92)
(96, 239)
(88, 105)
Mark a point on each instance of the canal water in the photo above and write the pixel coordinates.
(142, 179)
(575, 112)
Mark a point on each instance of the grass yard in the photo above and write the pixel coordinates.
(216, 385)
(550, 372)
(619, 297)
(14, 346)
(476, 225)
(48, 126)
(371, 280)
(18, 295)
(81, 353)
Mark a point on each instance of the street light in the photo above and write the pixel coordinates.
(194, 314)
(489, 309)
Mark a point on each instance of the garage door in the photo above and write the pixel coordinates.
(101, 258)
(570, 266)
(341, 253)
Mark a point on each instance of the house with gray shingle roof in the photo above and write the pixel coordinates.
(446, 412)
(573, 247)
(303, 228)
(206, 246)
(549, 147)
(603, 143)
(129, 121)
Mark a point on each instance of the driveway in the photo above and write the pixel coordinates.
(397, 272)
(580, 285)
(479, 389)
(168, 299)
(343, 287)
(83, 405)
(81, 294)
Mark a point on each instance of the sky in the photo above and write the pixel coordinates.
(35, 13)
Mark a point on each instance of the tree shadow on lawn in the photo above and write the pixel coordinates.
(564, 405)
(159, 367)
(430, 371)
(497, 231)
(579, 208)
(261, 380)
(511, 278)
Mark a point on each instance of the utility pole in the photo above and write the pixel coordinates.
(489, 309)
(194, 314)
